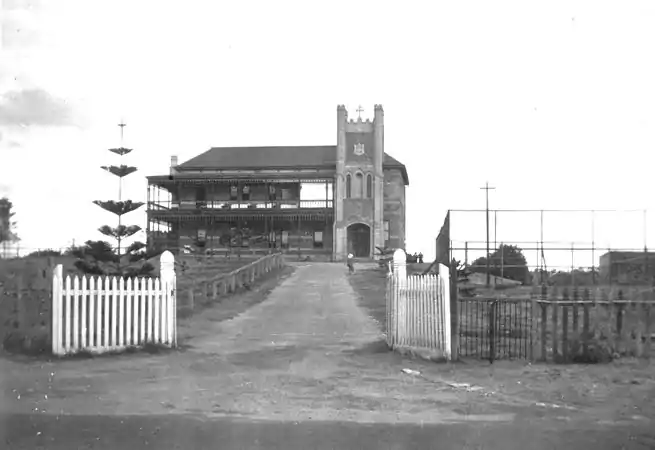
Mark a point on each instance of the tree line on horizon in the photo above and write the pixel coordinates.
(508, 261)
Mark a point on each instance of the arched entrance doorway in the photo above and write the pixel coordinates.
(359, 240)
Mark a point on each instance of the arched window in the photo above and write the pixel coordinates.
(348, 185)
(369, 186)
(359, 185)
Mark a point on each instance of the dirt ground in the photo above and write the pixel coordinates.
(314, 351)
(622, 391)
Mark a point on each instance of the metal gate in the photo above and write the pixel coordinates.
(496, 328)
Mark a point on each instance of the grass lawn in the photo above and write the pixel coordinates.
(370, 285)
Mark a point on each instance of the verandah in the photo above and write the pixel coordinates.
(306, 233)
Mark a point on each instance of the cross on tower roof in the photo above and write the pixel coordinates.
(359, 111)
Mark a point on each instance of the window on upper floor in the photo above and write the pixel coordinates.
(369, 186)
(359, 185)
(348, 185)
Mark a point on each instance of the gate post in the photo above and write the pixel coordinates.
(56, 310)
(169, 297)
(493, 310)
(446, 299)
(400, 298)
(454, 311)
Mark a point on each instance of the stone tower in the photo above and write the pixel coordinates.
(359, 180)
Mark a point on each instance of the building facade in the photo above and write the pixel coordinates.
(316, 201)
(627, 268)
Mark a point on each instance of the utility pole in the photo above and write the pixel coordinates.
(487, 189)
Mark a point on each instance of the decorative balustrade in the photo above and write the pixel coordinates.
(189, 205)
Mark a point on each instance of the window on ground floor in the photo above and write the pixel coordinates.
(318, 239)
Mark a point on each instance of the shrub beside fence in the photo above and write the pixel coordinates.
(594, 324)
(558, 324)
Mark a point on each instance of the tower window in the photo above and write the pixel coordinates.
(359, 185)
(369, 186)
(348, 186)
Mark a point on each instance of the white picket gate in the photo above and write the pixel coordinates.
(102, 314)
(418, 310)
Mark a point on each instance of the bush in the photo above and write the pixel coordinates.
(598, 350)
(16, 342)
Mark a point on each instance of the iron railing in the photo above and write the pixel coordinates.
(191, 205)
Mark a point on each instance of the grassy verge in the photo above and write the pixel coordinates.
(370, 286)
(148, 348)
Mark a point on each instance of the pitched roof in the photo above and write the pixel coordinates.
(317, 156)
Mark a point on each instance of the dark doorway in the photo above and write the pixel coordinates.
(359, 240)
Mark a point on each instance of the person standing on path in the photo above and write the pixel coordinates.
(350, 263)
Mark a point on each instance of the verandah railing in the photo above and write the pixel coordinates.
(238, 204)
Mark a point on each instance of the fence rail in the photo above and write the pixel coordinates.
(496, 328)
(568, 324)
(590, 324)
(211, 287)
(101, 314)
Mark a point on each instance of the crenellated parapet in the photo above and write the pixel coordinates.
(359, 120)
(359, 126)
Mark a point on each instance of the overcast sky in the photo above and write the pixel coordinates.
(552, 102)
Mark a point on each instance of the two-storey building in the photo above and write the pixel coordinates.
(318, 201)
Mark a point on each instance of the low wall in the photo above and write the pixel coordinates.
(208, 288)
(25, 305)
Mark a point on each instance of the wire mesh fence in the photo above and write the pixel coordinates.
(583, 247)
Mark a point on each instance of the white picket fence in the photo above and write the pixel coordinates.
(418, 310)
(102, 314)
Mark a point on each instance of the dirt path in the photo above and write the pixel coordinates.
(307, 352)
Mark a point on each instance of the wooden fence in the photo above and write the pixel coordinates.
(212, 287)
(592, 324)
(101, 314)
(418, 310)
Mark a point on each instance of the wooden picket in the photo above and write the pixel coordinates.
(102, 314)
(418, 310)
(615, 320)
